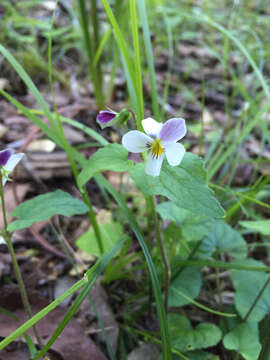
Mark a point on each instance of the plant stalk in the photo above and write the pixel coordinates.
(93, 220)
(257, 299)
(265, 342)
(94, 71)
(96, 36)
(7, 237)
(162, 251)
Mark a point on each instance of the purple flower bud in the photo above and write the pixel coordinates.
(4, 156)
(105, 116)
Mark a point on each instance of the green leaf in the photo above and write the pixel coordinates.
(110, 234)
(225, 239)
(247, 286)
(244, 338)
(194, 227)
(201, 355)
(185, 338)
(111, 157)
(43, 207)
(185, 185)
(262, 226)
(188, 282)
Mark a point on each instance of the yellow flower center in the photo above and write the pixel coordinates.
(156, 148)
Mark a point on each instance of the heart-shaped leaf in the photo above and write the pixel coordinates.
(43, 207)
(185, 185)
(244, 338)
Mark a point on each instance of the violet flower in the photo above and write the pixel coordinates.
(8, 161)
(105, 116)
(160, 140)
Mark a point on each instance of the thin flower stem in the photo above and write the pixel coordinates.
(162, 251)
(266, 339)
(7, 236)
(133, 116)
(257, 299)
(93, 220)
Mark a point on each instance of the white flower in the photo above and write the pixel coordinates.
(8, 161)
(160, 139)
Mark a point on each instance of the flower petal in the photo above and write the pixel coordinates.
(13, 161)
(174, 153)
(135, 141)
(105, 116)
(173, 130)
(4, 156)
(151, 127)
(153, 164)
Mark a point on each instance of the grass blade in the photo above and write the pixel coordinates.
(149, 58)
(137, 60)
(89, 278)
(106, 258)
(157, 291)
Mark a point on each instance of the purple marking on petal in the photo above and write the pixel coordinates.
(4, 156)
(173, 130)
(105, 116)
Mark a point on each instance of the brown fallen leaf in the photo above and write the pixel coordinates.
(101, 306)
(15, 351)
(70, 345)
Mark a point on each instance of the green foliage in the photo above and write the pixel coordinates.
(198, 355)
(188, 282)
(43, 207)
(193, 226)
(110, 234)
(247, 287)
(184, 338)
(224, 239)
(185, 185)
(111, 157)
(261, 226)
(244, 338)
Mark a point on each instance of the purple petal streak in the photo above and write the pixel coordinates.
(4, 156)
(105, 116)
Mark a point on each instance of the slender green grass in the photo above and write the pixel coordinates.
(127, 59)
(87, 282)
(94, 71)
(102, 44)
(91, 278)
(201, 306)
(137, 61)
(149, 58)
(29, 83)
(158, 296)
(220, 264)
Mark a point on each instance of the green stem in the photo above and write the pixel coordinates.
(7, 236)
(66, 147)
(257, 299)
(93, 220)
(90, 53)
(84, 194)
(162, 251)
(96, 37)
(133, 116)
(265, 342)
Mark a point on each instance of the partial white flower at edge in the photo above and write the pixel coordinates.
(160, 140)
(8, 161)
